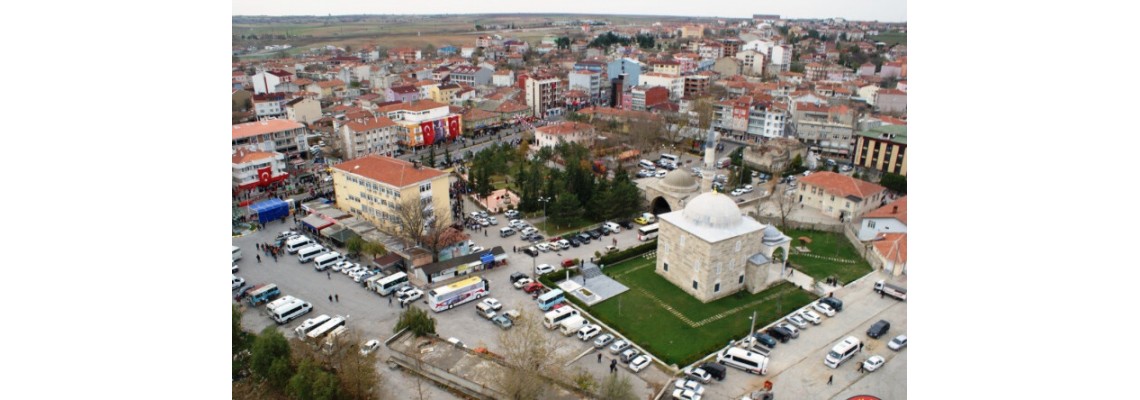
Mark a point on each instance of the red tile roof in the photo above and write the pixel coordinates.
(243, 156)
(563, 128)
(418, 105)
(890, 211)
(262, 127)
(892, 247)
(398, 173)
(370, 124)
(842, 185)
(330, 84)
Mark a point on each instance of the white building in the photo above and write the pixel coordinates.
(376, 135)
(589, 82)
(280, 135)
(252, 169)
(543, 96)
(675, 83)
(267, 81)
(503, 78)
(565, 132)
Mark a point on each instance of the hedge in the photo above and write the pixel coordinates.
(615, 257)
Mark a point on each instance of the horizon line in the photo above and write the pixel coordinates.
(782, 18)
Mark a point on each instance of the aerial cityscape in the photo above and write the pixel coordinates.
(671, 206)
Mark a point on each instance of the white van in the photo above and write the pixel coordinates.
(237, 253)
(743, 359)
(552, 319)
(613, 227)
(307, 254)
(484, 310)
(571, 325)
(324, 261)
(646, 164)
(842, 352)
(297, 243)
(504, 232)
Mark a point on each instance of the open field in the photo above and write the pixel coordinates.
(831, 255)
(638, 313)
(890, 38)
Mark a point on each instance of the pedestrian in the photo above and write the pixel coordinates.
(259, 258)
(337, 298)
(860, 368)
(790, 272)
(829, 378)
(275, 257)
(599, 357)
(880, 293)
(330, 298)
(389, 301)
(329, 275)
(484, 232)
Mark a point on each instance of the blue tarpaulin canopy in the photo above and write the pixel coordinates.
(487, 258)
(269, 210)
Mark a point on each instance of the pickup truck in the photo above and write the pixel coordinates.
(891, 290)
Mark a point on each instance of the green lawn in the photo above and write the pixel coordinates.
(675, 341)
(830, 245)
(890, 38)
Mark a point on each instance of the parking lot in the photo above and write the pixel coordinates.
(372, 315)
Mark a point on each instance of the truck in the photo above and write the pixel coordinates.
(891, 290)
(571, 325)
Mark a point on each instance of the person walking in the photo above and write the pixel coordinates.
(599, 357)
(337, 298)
(860, 368)
(329, 275)
(389, 301)
(259, 258)
(829, 378)
(330, 298)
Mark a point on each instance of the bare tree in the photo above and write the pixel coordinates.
(644, 133)
(439, 234)
(414, 222)
(704, 110)
(781, 205)
(529, 352)
(616, 387)
(676, 124)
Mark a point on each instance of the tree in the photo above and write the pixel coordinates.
(531, 355)
(616, 387)
(438, 234)
(431, 157)
(565, 209)
(644, 133)
(446, 156)
(269, 358)
(485, 188)
(746, 175)
(356, 372)
(408, 220)
(417, 321)
(781, 204)
(895, 182)
(704, 110)
(310, 382)
(354, 244)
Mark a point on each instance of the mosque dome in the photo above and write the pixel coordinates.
(714, 210)
(679, 181)
(772, 235)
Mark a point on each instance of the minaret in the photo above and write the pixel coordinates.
(708, 172)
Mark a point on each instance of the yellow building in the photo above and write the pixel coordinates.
(692, 31)
(882, 148)
(373, 186)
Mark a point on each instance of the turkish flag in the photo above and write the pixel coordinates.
(429, 134)
(264, 175)
(453, 126)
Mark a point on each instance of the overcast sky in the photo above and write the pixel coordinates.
(881, 10)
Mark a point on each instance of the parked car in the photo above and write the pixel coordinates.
(568, 263)
(532, 287)
(494, 304)
(502, 321)
(788, 327)
(543, 247)
(618, 346)
(511, 214)
(765, 339)
(594, 233)
(521, 283)
(535, 238)
(531, 251)
(639, 363)
(878, 329)
(543, 269)
(564, 244)
(873, 363)
(411, 296)
(603, 340)
(798, 321)
(780, 334)
(685, 395)
(587, 332)
(629, 354)
(477, 249)
(369, 346)
(696, 374)
(516, 276)
(689, 384)
(824, 309)
(810, 316)
(833, 302)
(737, 192)
(641, 221)
(625, 224)
(897, 343)
(574, 241)
(718, 371)
(584, 238)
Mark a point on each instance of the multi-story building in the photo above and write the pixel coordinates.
(403, 93)
(591, 82)
(270, 105)
(304, 110)
(692, 31)
(751, 62)
(643, 97)
(280, 135)
(731, 46)
(665, 67)
(503, 78)
(423, 122)
(696, 85)
(839, 196)
(779, 59)
(882, 148)
(565, 132)
(828, 130)
(630, 68)
(675, 83)
(710, 50)
(254, 169)
(471, 75)
(373, 187)
(890, 101)
(405, 54)
(376, 135)
(543, 95)
(750, 118)
(267, 81)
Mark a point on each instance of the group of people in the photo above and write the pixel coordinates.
(269, 250)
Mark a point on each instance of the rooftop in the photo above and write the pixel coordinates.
(712, 217)
(418, 105)
(563, 128)
(842, 185)
(896, 210)
(398, 173)
(263, 127)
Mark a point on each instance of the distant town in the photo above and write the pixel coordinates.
(671, 207)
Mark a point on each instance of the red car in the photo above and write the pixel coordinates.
(567, 263)
(532, 287)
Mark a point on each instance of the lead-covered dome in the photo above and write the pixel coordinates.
(714, 210)
(679, 181)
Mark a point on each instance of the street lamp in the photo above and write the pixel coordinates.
(545, 217)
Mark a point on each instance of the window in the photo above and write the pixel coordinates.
(718, 268)
(741, 281)
(694, 285)
(738, 245)
(716, 288)
(870, 224)
(666, 267)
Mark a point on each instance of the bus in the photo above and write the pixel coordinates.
(672, 158)
(550, 299)
(335, 322)
(291, 311)
(237, 253)
(309, 324)
(446, 297)
(553, 319)
(390, 283)
(647, 232)
(262, 294)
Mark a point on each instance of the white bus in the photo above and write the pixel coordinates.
(842, 352)
(671, 157)
(237, 253)
(748, 361)
(309, 324)
(327, 327)
(446, 297)
(286, 299)
(291, 311)
(647, 232)
(385, 286)
(553, 319)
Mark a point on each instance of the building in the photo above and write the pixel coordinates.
(728, 67)
(405, 54)
(884, 229)
(867, 69)
(424, 122)
(270, 105)
(472, 75)
(403, 93)
(373, 187)
(630, 68)
(376, 135)
(711, 50)
(696, 85)
(890, 218)
(675, 83)
(751, 62)
(267, 81)
(280, 135)
(731, 46)
(839, 196)
(591, 82)
(827, 130)
(710, 250)
(565, 132)
(543, 95)
(692, 31)
(303, 110)
(670, 67)
(257, 169)
(750, 118)
(503, 78)
(890, 101)
(882, 149)
(643, 97)
(779, 59)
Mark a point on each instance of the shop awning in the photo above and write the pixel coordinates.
(316, 222)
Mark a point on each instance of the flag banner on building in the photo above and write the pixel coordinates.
(265, 175)
(440, 129)
(429, 133)
(453, 126)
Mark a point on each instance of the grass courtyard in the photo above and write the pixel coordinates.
(692, 329)
(831, 255)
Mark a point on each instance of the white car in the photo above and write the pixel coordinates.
(689, 384)
(369, 346)
(798, 321)
(494, 304)
(564, 244)
(737, 192)
(873, 363)
(660, 173)
(544, 269)
(237, 282)
(402, 289)
(824, 309)
(477, 249)
(618, 346)
(603, 340)
(543, 247)
(517, 224)
(698, 374)
(493, 220)
(685, 395)
(810, 316)
(897, 343)
(588, 331)
(795, 332)
(521, 283)
(340, 265)
(747, 188)
(639, 363)
(349, 271)
(410, 296)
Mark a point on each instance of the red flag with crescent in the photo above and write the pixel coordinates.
(264, 175)
(453, 126)
(429, 133)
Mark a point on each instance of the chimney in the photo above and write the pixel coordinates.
(895, 210)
